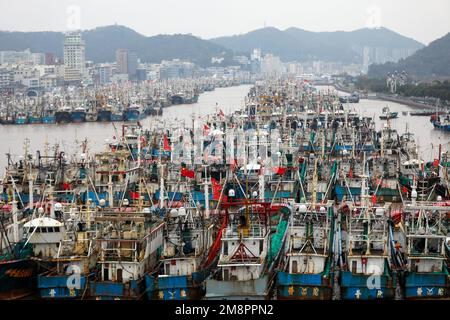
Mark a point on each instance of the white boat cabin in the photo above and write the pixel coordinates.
(45, 234)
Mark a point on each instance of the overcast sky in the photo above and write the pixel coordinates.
(422, 20)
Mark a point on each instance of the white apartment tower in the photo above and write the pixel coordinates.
(74, 56)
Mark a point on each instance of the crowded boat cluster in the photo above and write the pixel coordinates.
(294, 196)
(127, 101)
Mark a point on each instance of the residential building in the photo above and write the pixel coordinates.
(74, 57)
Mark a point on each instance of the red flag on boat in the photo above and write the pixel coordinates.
(216, 189)
(66, 186)
(436, 163)
(350, 173)
(134, 195)
(374, 199)
(404, 189)
(221, 113)
(166, 144)
(187, 173)
(234, 165)
(205, 129)
(280, 170)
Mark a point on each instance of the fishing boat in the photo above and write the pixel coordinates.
(132, 113)
(129, 239)
(6, 118)
(63, 115)
(178, 98)
(34, 117)
(17, 269)
(48, 116)
(441, 122)
(364, 264)
(21, 118)
(188, 238)
(425, 228)
(252, 243)
(387, 114)
(425, 113)
(309, 257)
(72, 266)
(78, 115)
(104, 114)
(91, 116)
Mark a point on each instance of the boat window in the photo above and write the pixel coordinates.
(294, 266)
(225, 248)
(433, 246)
(354, 266)
(105, 274)
(56, 229)
(261, 245)
(43, 229)
(226, 274)
(418, 245)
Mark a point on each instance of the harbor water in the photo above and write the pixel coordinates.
(70, 135)
(427, 137)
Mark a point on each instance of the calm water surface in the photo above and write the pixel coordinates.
(427, 137)
(69, 136)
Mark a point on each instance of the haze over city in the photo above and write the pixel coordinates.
(424, 21)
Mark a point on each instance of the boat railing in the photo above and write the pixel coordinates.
(234, 231)
(119, 253)
(426, 205)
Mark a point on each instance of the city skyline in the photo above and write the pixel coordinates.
(424, 22)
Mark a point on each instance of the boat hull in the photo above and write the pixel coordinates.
(17, 279)
(48, 119)
(106, 290)
(32, 120)
(57, 287)
(20, 121)
(303, 287)
(175, 287)
(426, 285)
(78, 117)
(104, 116)
(116, 117)
(257, 289)
(356, 287)
(131, 115)
(63, 117)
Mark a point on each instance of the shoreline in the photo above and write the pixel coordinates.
(385, 97)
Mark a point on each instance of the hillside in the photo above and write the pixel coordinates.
(432, 61)
(339, 46)
(102, 43)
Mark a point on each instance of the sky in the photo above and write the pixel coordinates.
(421, 20)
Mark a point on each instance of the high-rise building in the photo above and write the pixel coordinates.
(74, 56)
(271, 64)
(132, 64)
(104, 71)
(122, 61)
(126, 62)
(49, 58)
